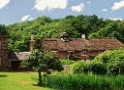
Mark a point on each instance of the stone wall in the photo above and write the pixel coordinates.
(84, 55)
(94, 53)
(64, 54)
(5, 64)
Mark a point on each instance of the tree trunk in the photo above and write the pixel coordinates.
(40, 77)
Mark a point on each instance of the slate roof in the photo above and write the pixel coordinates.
(75, 44)
(18, 56)
(64, 34)
(105, 44)
(79, 44)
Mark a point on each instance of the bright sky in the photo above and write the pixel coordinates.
(12, 11)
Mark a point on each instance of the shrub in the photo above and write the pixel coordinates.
(117, 68)
(87, 67)
(91, 57)
(66, 62)
(98, 67)
(113, 60)
(81, 67)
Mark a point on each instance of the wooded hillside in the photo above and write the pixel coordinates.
(94, 27)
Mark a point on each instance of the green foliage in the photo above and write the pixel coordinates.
(38, 42)
(19, 81)
(97, 68)
(45, 27)
(35, 61)
(114, 61)
(66, 62)
(117, 68)
(81, 67)
(52, 61)
(110, 30)
(3, 30)
(89, 67)
(42, 60)
(84, 82)
(109, 62)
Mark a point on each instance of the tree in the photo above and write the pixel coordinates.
(75, 26)
(40, 61)
(3, 30)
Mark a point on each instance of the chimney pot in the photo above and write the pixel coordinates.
(64, 37)
(32, 42)
(32, 37)
(83, 36)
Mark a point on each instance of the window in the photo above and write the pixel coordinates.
(70, 54)
(84, 53)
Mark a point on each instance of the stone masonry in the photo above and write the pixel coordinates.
(5, 64)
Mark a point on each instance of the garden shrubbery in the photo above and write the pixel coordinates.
(89, 67)
(109, 62)
(104, 72)
(97, 68)
(67, 62)
(114, 61)
(117, 68)
(81, 67)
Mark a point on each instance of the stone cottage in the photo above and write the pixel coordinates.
(10, 61)
(65, 47)
(82, 48)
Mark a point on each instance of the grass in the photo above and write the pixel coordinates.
(19, 81)
(60, 81)
(85, 82)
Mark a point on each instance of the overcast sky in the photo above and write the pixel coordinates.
(12, 11)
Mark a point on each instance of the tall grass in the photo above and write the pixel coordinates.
(81, 82)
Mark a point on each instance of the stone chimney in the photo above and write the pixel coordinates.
(32, 42)
(5, 64)
(83, 36)
(64, 37)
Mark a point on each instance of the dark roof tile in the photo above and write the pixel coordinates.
(17, 56)
(79, 44)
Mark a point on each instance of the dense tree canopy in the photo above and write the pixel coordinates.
(42, 27)
(3, 30)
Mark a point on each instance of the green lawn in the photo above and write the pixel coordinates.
(19, 81)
